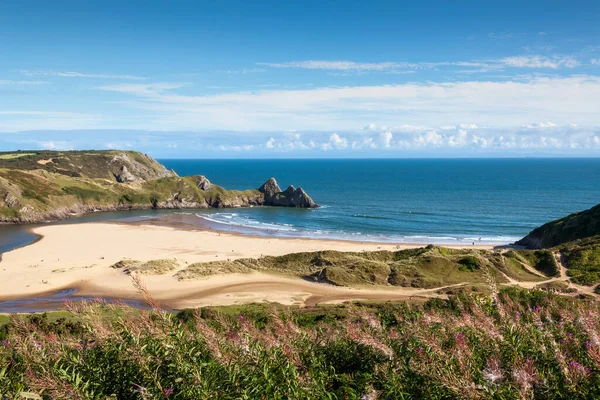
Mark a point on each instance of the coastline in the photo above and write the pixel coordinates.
(80, 255)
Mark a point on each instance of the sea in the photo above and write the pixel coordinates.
(440, 201)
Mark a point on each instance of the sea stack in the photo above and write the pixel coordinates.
(291, 197)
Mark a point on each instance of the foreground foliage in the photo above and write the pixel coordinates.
(512, 345)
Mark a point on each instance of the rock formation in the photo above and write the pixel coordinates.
(77, 182)
(270, 189)
(291, 197)
(134, 167)
(203, 183)
(125, 176)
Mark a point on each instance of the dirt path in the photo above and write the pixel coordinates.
(560, 261)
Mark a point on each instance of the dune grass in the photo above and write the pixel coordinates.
(541, 260)
(152, 267)
(427, 267)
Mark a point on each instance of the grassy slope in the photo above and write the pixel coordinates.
(582, 258)
(79, 181)
(88, 163)
(427, 267)
(572, 227)
(577, 238)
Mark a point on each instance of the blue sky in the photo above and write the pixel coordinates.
(302, 79)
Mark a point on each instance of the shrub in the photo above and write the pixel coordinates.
(469, 263)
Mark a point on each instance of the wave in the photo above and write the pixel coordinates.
(245, 223)
(370, 216)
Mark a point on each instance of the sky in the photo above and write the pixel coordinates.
(244, 79)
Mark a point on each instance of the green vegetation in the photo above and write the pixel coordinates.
(578, 225)
(541, 260)
(427, 267)
(582, 258)
(204, 269)
(50, 185)
(469, 263)
(510, 345)
(154, 267)
(89, 164)
(576, 238)
(12, 156)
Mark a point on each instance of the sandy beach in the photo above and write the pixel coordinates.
(80, 255)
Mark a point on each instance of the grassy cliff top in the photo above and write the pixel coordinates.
(104, 164)
(575, 226)
(40, 186)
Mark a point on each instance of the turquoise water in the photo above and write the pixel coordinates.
(408, 200)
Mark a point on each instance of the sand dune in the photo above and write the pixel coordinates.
(81, 255)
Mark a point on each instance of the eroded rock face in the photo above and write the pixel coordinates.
(125, 176)
(134, 167)
(299, 198)
(270, 188)
(291, 197)
(11, 201)
(203, 183)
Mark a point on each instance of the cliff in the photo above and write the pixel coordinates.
(578, 225)
(48, 185)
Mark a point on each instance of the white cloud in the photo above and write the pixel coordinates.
(8, 82)
(459, 139)
(559, 139)
(143, 89)
(467, 126)
(51, 145)
(335, 142)
(346, 67)
(481, 103)
(429, 139)
(73, 74)
(387, 66)
(500, 35)
(540, 125)
(243, 71)
(365, 143)
(24, 120)
(340, 65)
(385, 139)
(595, 61)
(540, 62)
